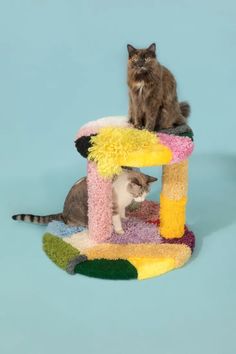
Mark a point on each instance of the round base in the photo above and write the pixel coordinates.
(139, 253)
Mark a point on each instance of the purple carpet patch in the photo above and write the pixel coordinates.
(136, 231)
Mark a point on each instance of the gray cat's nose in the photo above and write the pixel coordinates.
(140, 62)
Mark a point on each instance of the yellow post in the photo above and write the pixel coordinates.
(173, 199)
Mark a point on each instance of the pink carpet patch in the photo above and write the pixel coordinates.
(94, 126)
(180, 146)
(100, 204)
(87, 131)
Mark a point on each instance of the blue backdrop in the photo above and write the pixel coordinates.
(63, 63)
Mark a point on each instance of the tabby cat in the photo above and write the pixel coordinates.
(153, 102)
(129, 186)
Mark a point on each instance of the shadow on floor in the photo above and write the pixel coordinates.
(212, 195)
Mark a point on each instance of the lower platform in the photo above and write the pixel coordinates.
(139, 253)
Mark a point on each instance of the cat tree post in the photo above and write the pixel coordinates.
(173, 199)
(99, 204)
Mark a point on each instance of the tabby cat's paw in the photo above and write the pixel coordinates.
(124, 217)
(120, 232)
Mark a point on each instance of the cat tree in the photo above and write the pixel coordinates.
(156, 239)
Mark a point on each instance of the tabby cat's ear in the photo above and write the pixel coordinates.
(152, 48)
(151, 179)
(131, 49)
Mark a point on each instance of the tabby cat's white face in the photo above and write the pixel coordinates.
(132, 185)
(129, 186)
(139, 185)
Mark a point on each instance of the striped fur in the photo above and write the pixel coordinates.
(38, 219)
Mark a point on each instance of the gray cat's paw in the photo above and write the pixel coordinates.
(149, 128)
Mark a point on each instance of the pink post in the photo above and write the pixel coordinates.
(99, 204)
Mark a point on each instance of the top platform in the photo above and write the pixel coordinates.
(112, 142)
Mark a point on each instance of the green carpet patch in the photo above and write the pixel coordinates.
(58, 251)
(107, 269)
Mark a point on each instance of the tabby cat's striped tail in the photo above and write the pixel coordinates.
(38, 219)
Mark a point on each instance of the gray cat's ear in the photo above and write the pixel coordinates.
(131, 49)
(152, 48)
(151, 179)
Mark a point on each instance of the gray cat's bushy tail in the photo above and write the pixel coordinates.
(38, 219)
(185, 109)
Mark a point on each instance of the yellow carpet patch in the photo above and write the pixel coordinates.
(175, 180)
(172, 217)
(179, 252)
(151, 267)
(116, 147)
